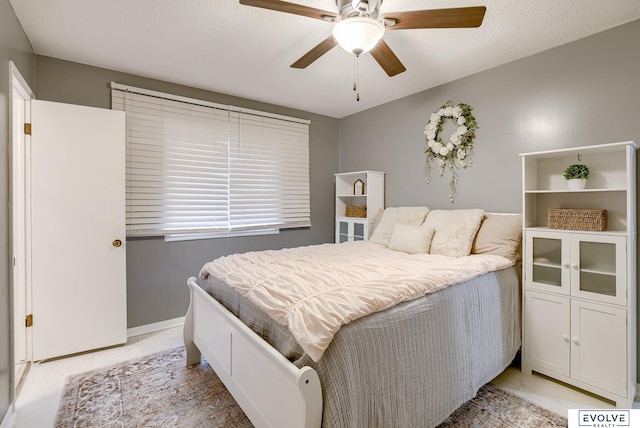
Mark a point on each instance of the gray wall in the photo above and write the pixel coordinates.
(583, 93)
(157, 271)
(14, 46)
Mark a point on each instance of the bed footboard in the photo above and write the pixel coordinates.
(270, 389)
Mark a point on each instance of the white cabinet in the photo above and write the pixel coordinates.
(580, 342)
(588, 265)
(358, 189)
(351, 229)
(579, 317)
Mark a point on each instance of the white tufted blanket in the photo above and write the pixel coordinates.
(314, 290)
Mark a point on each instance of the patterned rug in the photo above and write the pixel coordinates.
(493, 407)
(159, 391)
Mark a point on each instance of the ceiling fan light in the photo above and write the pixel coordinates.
(358, 34)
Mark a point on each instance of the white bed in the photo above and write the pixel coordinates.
(382, 369)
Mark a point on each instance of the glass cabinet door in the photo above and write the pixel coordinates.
(343, 231)
(548, 264)
(598, 268)
(358, 232)
(351, 229)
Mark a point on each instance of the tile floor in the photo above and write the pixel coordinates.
(37, 404)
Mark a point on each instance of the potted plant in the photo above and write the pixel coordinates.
(576, 175)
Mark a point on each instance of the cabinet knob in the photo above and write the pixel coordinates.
(575, 341)
(565, 338)
(566, 265)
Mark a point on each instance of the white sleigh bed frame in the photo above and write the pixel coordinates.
(269, 388)
(273, 392)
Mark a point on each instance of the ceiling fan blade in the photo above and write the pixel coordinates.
(322, 48)
(461, 17)
(389, 62)
(294, 8)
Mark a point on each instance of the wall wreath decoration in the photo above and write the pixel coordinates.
(458, 151)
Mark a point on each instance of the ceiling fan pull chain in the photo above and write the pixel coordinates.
(355, 66)
(356, 76)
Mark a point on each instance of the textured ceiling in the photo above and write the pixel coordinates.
(222, 46)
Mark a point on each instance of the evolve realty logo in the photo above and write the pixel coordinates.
(604, 418)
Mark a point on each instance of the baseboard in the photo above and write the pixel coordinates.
(8, 421)
(153, 327)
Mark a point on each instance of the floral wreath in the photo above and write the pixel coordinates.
(458, 151)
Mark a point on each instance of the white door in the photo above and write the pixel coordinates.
(78, 217)
(599, 346)
(547, 330)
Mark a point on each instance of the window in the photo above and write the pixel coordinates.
(195, 167)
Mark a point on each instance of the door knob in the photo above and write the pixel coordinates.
(116, 243)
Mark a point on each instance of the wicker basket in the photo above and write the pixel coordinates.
(575, 219)
(353, 211)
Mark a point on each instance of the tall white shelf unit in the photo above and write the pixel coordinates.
(357, 228)
(579, 300)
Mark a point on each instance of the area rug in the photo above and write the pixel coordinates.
(493, 407)
(159, 391)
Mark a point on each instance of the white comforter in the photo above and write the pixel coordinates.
(315, 290)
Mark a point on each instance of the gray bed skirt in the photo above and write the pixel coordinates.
(411, 365)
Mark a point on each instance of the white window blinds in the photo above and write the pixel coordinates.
(199, 167)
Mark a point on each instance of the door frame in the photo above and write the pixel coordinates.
(20, 97)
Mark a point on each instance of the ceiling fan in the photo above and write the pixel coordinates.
(358, 27)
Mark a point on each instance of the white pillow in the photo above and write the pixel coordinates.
(397, 215)
(454, 231)
(499, 234)
(411, 239)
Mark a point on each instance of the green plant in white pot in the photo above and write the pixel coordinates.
(576, 175)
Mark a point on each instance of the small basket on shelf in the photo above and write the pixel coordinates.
(353, 211)
(577, 219)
